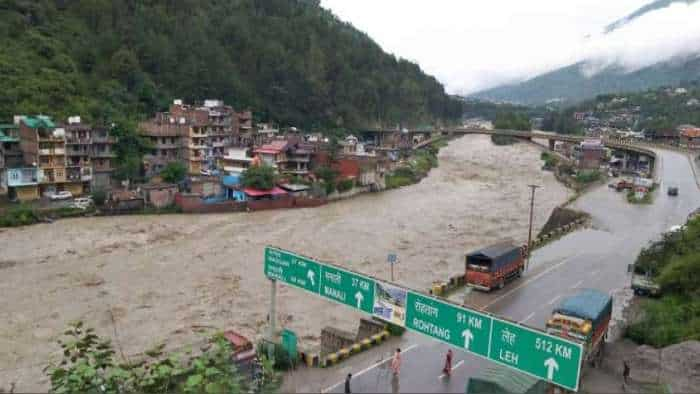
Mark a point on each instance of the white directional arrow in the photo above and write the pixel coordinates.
(359, 297)
(552, 366)
(468, 336)
(311, 275)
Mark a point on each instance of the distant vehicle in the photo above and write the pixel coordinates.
(673, 191)
(675, 228)
(205, 172)
(621, 185)
(82, 202)
(64, 195)
(584, 317)
(643, 283)
(494, 265)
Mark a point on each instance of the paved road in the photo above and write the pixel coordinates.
(592, 258)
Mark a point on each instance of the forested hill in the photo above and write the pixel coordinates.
(289, 60)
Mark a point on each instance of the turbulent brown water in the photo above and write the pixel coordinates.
(161, 278)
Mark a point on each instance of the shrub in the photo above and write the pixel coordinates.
(99, 196)
(18, 216)
(345, 185)
(259, 177)
(588, 176)
(174, 172)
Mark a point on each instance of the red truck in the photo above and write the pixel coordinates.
(494, 265)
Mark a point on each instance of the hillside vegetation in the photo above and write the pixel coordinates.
(675, 263)
(289, 60)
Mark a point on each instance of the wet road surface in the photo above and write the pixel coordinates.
(592, 258)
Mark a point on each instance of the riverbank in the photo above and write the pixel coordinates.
(162, 278)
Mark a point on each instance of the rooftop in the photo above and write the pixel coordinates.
(275, 191)
(38, 121)
(495, 250)
(6, 138)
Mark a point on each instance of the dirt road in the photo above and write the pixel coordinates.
(148, 279)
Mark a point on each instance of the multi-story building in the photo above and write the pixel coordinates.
(44, 147)
(78, 150)
(10, 153)
(165, 136)
(199, 136)
(102, 156)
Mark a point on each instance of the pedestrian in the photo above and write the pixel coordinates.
(625, 371)
(347, 384)
(448, 363)
(396, 362)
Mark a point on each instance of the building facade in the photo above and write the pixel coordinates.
(44, 147)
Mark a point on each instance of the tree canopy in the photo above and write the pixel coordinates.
(259, 177)
(289, 60)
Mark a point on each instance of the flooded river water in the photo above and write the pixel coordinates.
(153, 279)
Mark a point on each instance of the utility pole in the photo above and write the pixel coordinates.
(529, 235)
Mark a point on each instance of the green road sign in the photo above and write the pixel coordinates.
(547, 357)
(292, 269)
(347, 288)
(449, 323)
(531, 351)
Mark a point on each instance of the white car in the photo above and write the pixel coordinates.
(64, 195)
(82, 202)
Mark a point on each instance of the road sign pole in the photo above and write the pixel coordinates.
(273, 311)
(529, 234)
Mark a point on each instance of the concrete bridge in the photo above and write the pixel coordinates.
(631, 148)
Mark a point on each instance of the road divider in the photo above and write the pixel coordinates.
(344, 353)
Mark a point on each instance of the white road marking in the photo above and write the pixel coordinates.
(579, 283)
(534, 278)
(459, 364)
(553, 300)
(527, 318)
(371, 367)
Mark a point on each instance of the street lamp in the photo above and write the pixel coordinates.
(529, 235)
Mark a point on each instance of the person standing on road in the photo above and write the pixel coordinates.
(396, 362)
(347, 384)
(448, 363)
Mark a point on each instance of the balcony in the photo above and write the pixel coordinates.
(103, 139)
(75, 151)
(103, 153)
(77, 141)
(22, 177)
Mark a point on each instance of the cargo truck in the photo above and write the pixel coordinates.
(584, 317)
(493, 266)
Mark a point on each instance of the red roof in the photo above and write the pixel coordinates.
(274, 147)
(275, 191)
(691, 133)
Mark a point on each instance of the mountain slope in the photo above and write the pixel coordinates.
(290, 60)
(570, 84)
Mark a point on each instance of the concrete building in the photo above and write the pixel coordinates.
(10, 153)
(103, 158)
(689, 136)
(44, 147)
(78, 151)
(197, 136)
(274, 154)
(591, 154)
(166, 137)
(236, 160)
(22, 183)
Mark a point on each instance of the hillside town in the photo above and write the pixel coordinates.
(44, 159)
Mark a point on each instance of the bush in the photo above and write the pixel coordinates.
(282, 361)
(174, 172)
(589, 176)
(99, 196)
(259, 177)
(18, 216)
(345, 185)
(667, 321)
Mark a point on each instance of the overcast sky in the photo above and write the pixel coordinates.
(472, 45)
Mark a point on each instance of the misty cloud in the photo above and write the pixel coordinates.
(671, 33)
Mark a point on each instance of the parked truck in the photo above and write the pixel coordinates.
(495, 265)
(584, 317)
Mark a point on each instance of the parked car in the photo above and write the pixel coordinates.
(64, 195)
(673, 191)
(82, 202)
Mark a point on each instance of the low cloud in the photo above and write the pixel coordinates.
(671, 33)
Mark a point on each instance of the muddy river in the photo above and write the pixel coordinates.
(148, 279)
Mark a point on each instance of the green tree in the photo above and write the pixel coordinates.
(261, 177)
(174, 172)
(89, 364)
(328, 176)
